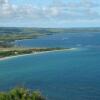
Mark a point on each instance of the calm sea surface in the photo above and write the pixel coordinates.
(61, 75)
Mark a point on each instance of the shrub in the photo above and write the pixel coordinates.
(21, 94)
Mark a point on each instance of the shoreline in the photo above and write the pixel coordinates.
(34, 53)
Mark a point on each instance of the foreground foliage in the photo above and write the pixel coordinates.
(21, 94)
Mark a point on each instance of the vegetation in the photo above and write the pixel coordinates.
(12, 37)
(12, 33)
(5, 52)
(21, 94)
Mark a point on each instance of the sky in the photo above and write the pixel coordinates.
(50, 13)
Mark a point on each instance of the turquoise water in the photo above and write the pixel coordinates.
(62, 75)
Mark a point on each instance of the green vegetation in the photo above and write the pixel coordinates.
(21, 94)
(12, 37)
(12, 33)
(5, 52)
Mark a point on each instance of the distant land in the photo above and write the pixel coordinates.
(18, 33)
(25, 30)
(9, 34)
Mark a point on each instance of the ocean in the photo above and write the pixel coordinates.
(59, 75)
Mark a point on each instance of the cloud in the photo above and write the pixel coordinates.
(3, 2)
(83, 10)
(6, 9)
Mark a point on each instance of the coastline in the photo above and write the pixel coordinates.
(35, 53)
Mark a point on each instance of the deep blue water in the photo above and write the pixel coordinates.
(62, 75)
(63, 40)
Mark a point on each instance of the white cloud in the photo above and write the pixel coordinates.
(62, 11)
(3, 2)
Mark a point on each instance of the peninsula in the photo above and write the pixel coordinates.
(15, 51)
(8, 36)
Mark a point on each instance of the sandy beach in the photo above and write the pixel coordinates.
(35, 53)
